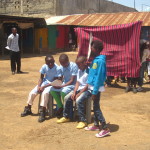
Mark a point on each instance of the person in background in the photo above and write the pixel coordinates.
(49, 72)
(15, 56)
(131, 85)
(148, 63)
(144, 55)
(96, 79)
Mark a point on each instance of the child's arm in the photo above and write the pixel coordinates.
(82, 80)
(68, 83)
(83, 90)
(40, 82)
(41, 89)
(100, 78)
(75, 90)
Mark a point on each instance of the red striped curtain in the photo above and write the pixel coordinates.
(121, 47)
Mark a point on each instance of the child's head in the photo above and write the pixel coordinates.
(64, 60)
(96, 48)
(81, 62)
(49, 60)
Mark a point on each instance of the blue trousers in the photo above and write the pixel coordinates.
(98, 115)
(80, 101)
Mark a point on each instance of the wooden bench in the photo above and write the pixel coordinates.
(50, 108)
(88, 108)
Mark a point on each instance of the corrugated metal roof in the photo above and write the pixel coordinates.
(103, 19)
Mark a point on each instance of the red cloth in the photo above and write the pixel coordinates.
(121, 46)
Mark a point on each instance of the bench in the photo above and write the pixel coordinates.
(88, 108)
(50, 108)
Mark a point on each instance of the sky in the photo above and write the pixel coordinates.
(139, 4)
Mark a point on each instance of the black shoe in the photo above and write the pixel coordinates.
(41, 115)
(27, 111)
(127, 89)
(19, 72)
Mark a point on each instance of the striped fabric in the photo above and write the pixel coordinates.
(121, 46)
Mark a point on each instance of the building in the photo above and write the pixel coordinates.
(26, 26)
(44, 8)
(60, 24)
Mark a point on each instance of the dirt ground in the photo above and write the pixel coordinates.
(128, 114)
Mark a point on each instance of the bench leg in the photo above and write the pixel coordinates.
(50, 107)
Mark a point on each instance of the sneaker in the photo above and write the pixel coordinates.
(13, 73)
(81, 125)
(27, 111)
(63, 120)
(103, 133)
(92, 128)
(139, 89)
(134, 90)
(41, 116)
(127, 89)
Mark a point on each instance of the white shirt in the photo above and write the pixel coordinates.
(12, 42)
(82, 79)
(101, 88)
(50, 73)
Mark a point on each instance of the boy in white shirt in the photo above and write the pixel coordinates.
(80, 95)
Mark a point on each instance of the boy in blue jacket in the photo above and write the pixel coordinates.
(96, 79)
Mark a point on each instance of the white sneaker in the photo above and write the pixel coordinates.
(139, 89)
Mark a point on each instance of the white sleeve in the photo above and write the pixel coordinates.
(9, 41)
(83, 79)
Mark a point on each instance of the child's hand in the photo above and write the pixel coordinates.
(41, 89)
(77, 95)
(73, 96)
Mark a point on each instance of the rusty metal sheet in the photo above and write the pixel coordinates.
(105, 19)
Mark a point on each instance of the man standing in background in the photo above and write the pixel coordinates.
(13, 46)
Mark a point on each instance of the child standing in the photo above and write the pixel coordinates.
(49, 72)
(96, 79)
(69, 72)
(80, 95)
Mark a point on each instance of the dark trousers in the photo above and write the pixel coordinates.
(15, 59)
(142, 69)
(98, 115)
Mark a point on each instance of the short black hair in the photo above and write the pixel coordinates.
(49, 56)
(98, 45)
(64, 57)
(81, 58)
(14, 28)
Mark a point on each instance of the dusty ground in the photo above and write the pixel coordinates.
(128, 114)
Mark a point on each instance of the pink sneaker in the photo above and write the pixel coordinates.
(92, 128)
(103, 133)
